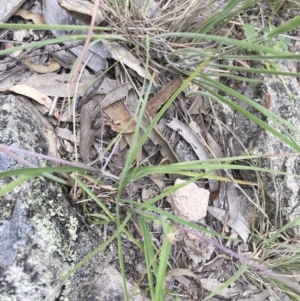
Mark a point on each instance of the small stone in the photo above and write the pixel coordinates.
(189, 202)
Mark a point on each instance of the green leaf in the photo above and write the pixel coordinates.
(250, 32)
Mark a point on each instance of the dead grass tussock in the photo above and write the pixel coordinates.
(137, 19)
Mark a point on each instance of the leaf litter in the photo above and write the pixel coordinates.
(111, 108)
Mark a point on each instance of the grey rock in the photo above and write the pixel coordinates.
(283, 192)
(37, 225)
(9, 8)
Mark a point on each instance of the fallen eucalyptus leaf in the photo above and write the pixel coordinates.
(28, 15)
(53, 84)
(239, 225)
(33, 94)
(51, 66)
(162, 96)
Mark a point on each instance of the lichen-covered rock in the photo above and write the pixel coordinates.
(40, 240)
(274, 93)
(37, 226)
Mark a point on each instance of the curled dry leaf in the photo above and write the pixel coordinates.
(27, 15)
(179, 272)
(87, 134)
(125, 126)
(114, 111)
(120, 53)
(162, 96)
(51, 66)
(115, 94)
(159, 183)
(33, 94)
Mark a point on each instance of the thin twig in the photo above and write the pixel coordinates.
(9, 149)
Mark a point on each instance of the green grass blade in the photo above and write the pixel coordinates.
(94, 197)
(252, 103)
(39, 171)
(149, 255)
(163, 261)
(271, 240)
(10, 186)
(227, 41)
(283, 28)
(254, 70)
(180, 168)
(160, 212)
(264, 58)
(231, 9)
(60, 40)
(50, 27)
(255, 119)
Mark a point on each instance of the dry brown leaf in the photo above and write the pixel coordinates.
(126, 125)
(51, 66)
(33, 94)
(120, 53)
(115, 111)
(27, 15)
(88, 113)
(159, 183)
(162, 96)
(156, 137)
